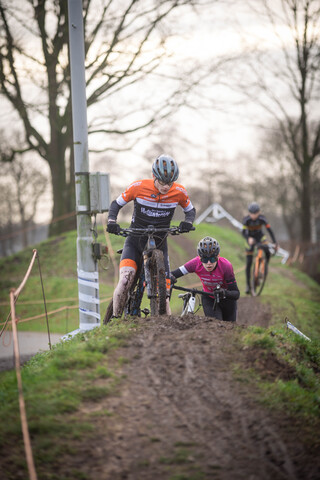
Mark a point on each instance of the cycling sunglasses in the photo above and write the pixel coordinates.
(164, 184)
(211, 259)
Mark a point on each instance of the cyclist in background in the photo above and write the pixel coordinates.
(215, 273)
(155, 201)
(252, 230)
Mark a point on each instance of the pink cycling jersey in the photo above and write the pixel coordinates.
(222, 275)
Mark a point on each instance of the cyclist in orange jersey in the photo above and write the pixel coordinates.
(155, 201)
(252, 230)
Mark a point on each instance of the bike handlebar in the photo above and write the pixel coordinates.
(271, 247)
(194, 291)
(149, 230)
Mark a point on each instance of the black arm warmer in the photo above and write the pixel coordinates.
(190, 216)
(233, 294)
(177, 273)
(245, 233)
(272, 235)
(114, 210)
(232, 291)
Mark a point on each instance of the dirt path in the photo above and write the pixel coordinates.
(179, 415)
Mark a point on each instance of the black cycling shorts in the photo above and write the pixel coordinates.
(224, 310)
(134, 247)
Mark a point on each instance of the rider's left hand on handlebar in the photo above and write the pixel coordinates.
(220, 291)
(113, 227)
(185, 227)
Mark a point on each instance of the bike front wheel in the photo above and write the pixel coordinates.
(158, 284)
(259, 272)
(108, 314)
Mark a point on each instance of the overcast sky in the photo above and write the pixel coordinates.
(228, 128)
(225, 132)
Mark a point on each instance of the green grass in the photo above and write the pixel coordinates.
(57, 385)
(58, 263)
(299, 361)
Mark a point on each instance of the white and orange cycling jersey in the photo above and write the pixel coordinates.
(150, 206)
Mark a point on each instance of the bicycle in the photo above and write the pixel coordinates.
(260, 267)
(150, 275)
(192, 295)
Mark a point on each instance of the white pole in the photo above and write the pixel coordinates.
(88, 277)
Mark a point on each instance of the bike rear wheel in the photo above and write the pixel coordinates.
(158, 298)
(259, 272)
(133, 304)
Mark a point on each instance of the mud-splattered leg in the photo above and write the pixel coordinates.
(168, 309)
(126, 277)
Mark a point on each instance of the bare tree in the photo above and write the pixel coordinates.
(21, 188)
(125, 44)
(279, 185)
(282, 75)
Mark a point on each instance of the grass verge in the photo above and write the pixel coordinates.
(285, 367)
(57, 385)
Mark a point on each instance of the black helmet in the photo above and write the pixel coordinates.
(165, 169)
(254, 207)
(208, 247)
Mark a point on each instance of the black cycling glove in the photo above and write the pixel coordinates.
(185, 227)
(113, 227)
(221, 292)
(173, 279)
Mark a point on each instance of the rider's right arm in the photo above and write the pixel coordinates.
(113, 211)
(190, 215)
(177, 273)
(245, 230)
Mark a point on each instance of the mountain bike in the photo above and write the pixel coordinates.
(192, 298)
(260, 267)
(150, 275)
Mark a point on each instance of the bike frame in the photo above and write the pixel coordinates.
(189, 298)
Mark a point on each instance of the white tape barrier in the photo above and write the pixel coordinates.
(89, 279)
(295, 330)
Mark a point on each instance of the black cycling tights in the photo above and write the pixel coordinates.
(224, 310)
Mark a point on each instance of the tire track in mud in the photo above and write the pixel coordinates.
(179, 395)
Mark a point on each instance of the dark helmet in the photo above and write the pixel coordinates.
(165, 169)
(254, 207)
(208, 247)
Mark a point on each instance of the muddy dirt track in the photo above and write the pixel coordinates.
(180, 415)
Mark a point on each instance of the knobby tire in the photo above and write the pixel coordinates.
(259, 273)
(133, 303)
(158, 284)
(108, 313)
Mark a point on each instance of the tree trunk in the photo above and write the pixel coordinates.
(61, 193)
(305, 205)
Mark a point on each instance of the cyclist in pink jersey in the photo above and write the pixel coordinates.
(215, 272)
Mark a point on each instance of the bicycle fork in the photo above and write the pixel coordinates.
(147, 254)
(189, 302)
